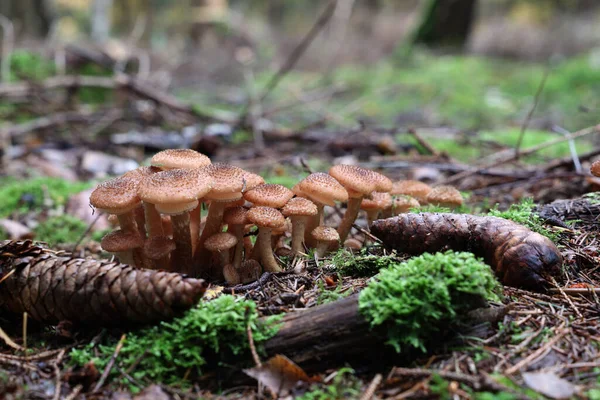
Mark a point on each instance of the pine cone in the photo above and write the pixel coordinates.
(53, 287)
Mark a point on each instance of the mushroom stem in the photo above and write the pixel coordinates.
(231, 274)
(371, 216)
(266, 254)
(181, 258)
(140, 221)
(127, 222)
(349, 217)
(298, 229)
(213, 222)
(312, 223)
(321, 249)
(195, 226)
(125, 257)
(154, 225)
(238, 231)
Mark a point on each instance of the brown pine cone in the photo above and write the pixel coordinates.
(53, 287)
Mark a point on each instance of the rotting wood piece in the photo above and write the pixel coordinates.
(518, 256)
(53, 287)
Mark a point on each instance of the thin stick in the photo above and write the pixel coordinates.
(562, 292)
(253, 347)
(293, 58)
(87, 231)
(25, 331)
(4, 336)
(110, 364)
(370, 392)
(529, 151)
(424, 143)
(526, 361)
(8, 40)
(536, 100)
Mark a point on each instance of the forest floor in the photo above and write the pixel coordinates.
(441, 120)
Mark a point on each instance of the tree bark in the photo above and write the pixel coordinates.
(32, 18)
(445, 23)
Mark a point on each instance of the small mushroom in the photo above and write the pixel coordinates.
(231, 274)
(403, 204)
(179, 158)
(123, 244)
(236, 219)
(445, 196)
(158, 250)
(416, 189)
(220, 244)
(378, 202)
(269, 195)
(325, 237)
(266, 219)
(249, 271)
(595, 168)
(299, 210)
(353, 244)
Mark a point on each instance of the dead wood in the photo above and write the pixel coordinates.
(53, 287)
(518, 256)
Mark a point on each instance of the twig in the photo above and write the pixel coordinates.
(370, 391)
(25, 331)
(367, 233)
(253, 347)
(58, 384)
(87, 231)
(110, 364)
(245, 288)
(75, 392)
(476, 382)
(8, 40)
(567, 298)
(4, 336)
(536, 100)
(527, 360)
(293, 57)
(572, 291)
(572, 148)
(413, 132)
(529, 151)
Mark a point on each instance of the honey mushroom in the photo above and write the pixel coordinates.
(123, 244)
(416, 189)
(325, 237)
(152, 219)
(445, 196)
(403, 204)
(158, 250)
(266, 219)
(378, 202)
(299, 210)
(220, 244)
(236, 219)
(176, 192)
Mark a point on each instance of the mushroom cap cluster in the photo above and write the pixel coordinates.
(159, 210)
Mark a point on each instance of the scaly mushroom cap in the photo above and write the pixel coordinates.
(157, 247)
(116, 196)
(269, 195)
(353, 244)
(445, 196)
(321, 188)
(416, 189)
(299, 206)
(118, 241)
(382, 183)
(403, 204)
(140, 173)
(228, 182)
(595, 168)
(266, 217)
(378, 201)
(179, 158)
(252, 180)
(357, 181)
(249, 271)
(220, 242)
(236, 216)
(176, 190)
(325, 234)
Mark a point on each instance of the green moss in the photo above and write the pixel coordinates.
(522, 213)
(362, 264)
(22, 196)
(345, 385)
(61, 229)
(171, 351)
(327, 295)
(413, 300)
(27, 65)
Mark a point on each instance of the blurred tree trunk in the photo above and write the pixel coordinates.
(445, 23)
(31, 18)
(101, 11)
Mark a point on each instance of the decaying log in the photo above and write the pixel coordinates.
(53, 287)
(519, 256)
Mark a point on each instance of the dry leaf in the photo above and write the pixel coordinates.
(549, 384)
(279, 373)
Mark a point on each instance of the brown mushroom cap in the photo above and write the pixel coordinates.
(252, 180)
(235, 216)
(118, 241)
(220, 242)
(176, 190)
(353, 244)
(266, 217)
(358, 181)
(228, 182)
(382, 182)
(116, 196)
(321, 188)
(157, 247)
(299, 206)
(325, 234)
(595, 168)
(416, 189)
(249, 271)
(445, 196)
(378, 201)
(269, 195)
(403, 204)
(140, 173)
(179, 158)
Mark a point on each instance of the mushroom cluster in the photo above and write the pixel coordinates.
(158, 209)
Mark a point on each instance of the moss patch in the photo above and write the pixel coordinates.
(413, 300)
(522, 213)
(62, 229)
(172, 351)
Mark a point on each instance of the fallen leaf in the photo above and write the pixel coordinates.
(213, 291)
(549, 384)
(279, 373)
